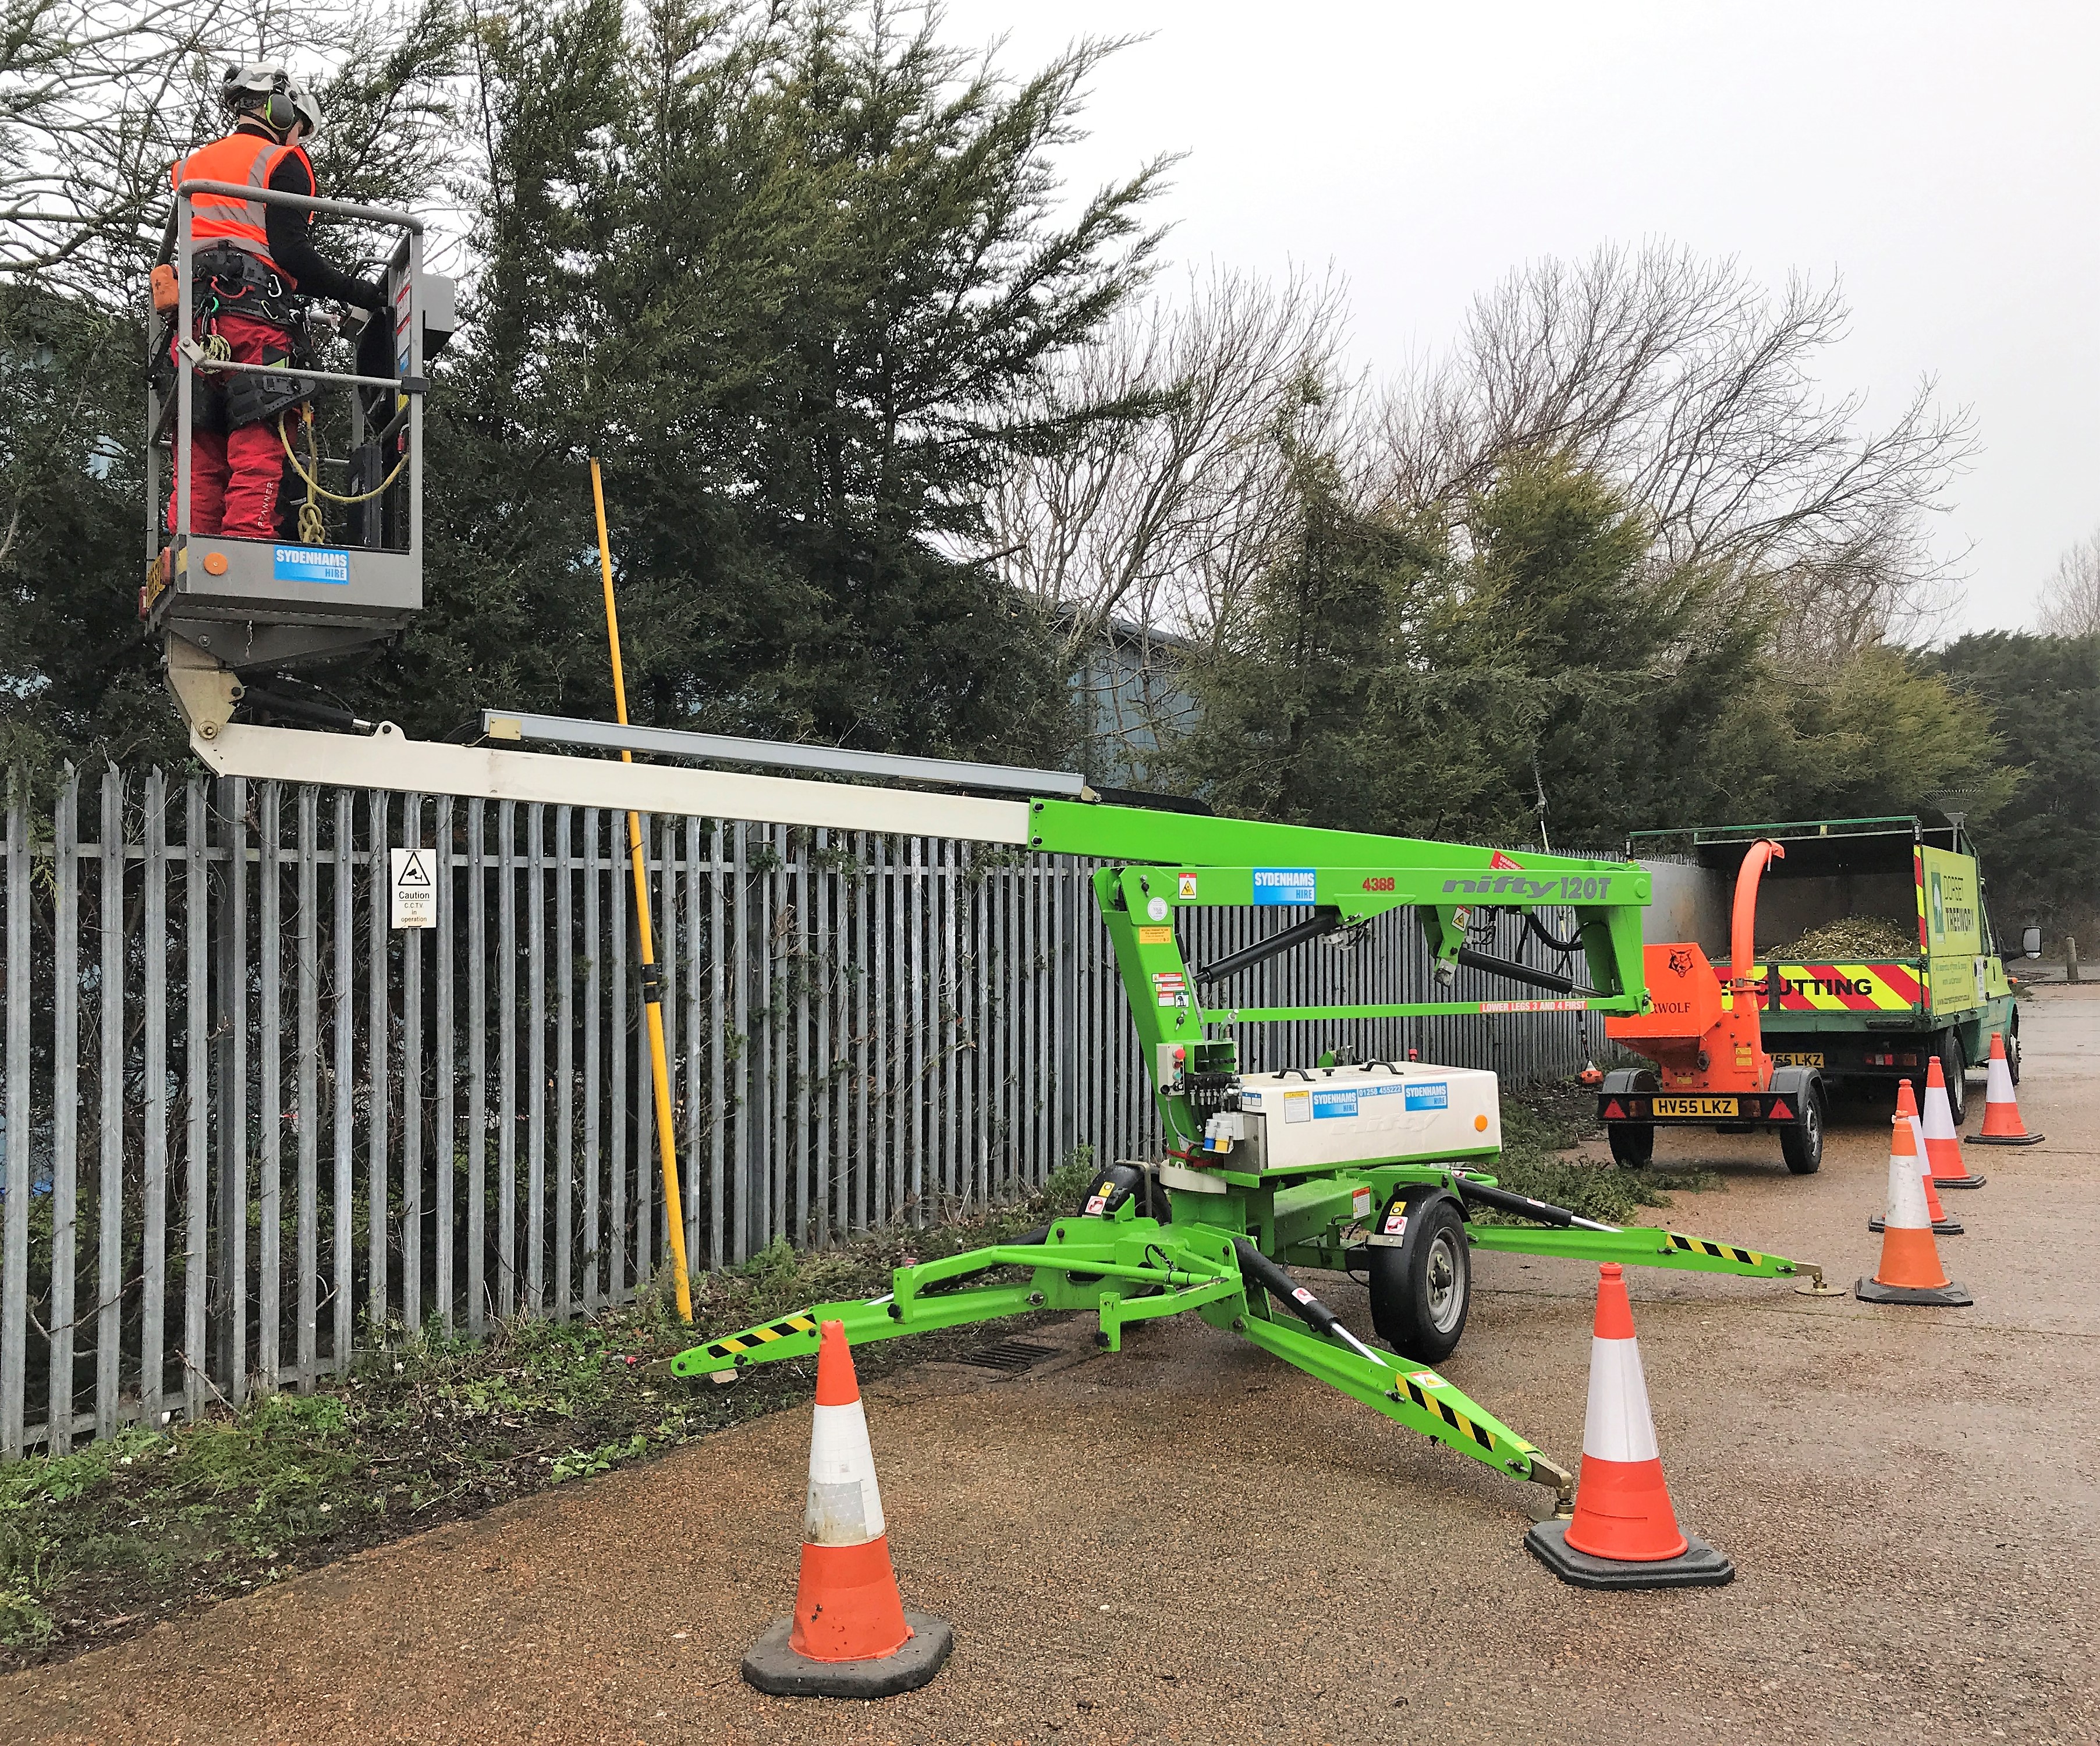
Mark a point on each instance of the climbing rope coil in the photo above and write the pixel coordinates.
(313, 528)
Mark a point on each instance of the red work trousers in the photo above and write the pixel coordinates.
(235, 476)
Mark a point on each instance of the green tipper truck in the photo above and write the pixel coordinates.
(1880, 1017)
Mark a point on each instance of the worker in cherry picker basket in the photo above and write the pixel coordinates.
(253, 266)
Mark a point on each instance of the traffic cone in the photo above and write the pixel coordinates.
(1910, 1272)
(1942, 1225)
(1624, 1534)
(2001, 1109)
(850, 1636)
(1943, 1145)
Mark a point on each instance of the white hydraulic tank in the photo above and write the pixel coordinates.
(1383, 1112)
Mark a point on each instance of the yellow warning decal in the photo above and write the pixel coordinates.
(1155, 936)
(751, 1337)
(1748, 1258)
(1450, 1415)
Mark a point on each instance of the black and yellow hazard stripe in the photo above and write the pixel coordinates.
(1450, 1415)
(1748, 1258)
(751, 1338)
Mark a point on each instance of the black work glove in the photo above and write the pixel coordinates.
(372, 294)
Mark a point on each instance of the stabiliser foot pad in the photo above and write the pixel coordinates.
(2005, 1139)
(1941, 1227)
(773, 1667)
(1959, 1182)
(1953, 1295)
(1699, 1566)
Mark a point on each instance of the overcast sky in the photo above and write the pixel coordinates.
(1940, 157)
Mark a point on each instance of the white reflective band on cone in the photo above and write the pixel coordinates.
(1907, 1209)
(1618, 1427)
(1998, 1082)
(1939, 1114)
(1917, 1140)
(844, 1505)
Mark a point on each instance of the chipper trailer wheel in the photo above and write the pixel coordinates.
(1801, 1145)
(1633, 1143)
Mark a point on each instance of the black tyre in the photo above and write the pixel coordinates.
(1801, 1144)
(2013, 1056)
(1954, 1063)
(1633, 1143)
(1420, 1292)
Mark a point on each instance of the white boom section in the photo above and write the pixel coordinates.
(389, 759)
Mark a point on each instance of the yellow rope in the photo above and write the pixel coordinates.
(313, 524)
(314, 488)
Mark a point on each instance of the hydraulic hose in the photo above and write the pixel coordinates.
(1552, 943)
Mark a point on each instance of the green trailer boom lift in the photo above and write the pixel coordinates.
(1386, 1164)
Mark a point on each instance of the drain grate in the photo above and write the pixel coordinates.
(1010, 1356)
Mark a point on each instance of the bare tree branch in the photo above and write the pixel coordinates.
(2071, 598)
(1694, 391)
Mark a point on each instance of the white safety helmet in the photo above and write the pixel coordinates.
(262, 88)
(307, 108)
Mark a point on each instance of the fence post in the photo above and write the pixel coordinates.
(14, 1244)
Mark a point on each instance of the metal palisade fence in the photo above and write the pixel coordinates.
(249, 1125)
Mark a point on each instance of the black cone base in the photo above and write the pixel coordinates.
(2005, 1139)
(1953, 1295)
(1959, 1182)
(1699, 1566)
(1941, 1227)
(772, 1666)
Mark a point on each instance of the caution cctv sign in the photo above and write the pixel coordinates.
(413, 888)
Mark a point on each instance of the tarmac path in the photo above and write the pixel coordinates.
(1191, 1542)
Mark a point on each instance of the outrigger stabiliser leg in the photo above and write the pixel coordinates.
(1123, 1268)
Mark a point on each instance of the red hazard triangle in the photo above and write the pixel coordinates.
(1502, 863)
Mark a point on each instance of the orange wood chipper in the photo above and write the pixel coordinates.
(1711, 1069)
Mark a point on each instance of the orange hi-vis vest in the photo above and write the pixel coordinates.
(245, 160)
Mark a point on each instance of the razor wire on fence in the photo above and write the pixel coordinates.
(249, 1125)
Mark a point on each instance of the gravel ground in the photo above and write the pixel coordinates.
(1190, 1542)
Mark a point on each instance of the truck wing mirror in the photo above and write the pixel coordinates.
(2031, 942)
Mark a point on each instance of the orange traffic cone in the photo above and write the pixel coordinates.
(1943, 1145)
(1942, 1225)
(850, 1636)
(1910, 1272)
(2002, 1110)
(1624, 1534)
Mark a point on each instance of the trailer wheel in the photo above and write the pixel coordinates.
(1633, 1143)
(1420, 1292)
(1801, 1144)
(1954, 1063)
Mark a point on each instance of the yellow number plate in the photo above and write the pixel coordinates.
(1798, 1058)
(1695, 1106)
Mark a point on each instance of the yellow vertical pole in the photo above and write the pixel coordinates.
(652, 982)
